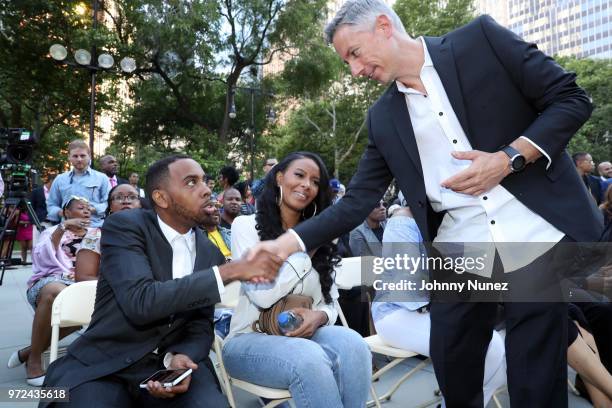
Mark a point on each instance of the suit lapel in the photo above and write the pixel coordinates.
(441, 53)
(163, 250)
(200, 254)
(403, 126)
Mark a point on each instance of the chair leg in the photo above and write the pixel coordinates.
(496, 401)
(376, 400)
(572, 387)
(224, 378)
(398, 383)
(274, 403)
(54, 343)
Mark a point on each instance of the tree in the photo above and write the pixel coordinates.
(34, 92)
(595, 136)
(197, 51)
(433, 17)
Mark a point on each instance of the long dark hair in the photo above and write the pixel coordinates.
(269, 222)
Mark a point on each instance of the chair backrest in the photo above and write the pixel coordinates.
(348, 273)
(230, 296)
(74, 305)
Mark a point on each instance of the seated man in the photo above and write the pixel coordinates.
(219, 236)
(232, 201)
(156, 292)
(366, 239)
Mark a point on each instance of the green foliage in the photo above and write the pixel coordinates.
(433, 17)
(595, 136)
(34, 91)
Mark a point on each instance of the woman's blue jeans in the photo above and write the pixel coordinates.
(333, 369)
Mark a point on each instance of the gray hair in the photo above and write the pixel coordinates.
(361, 13)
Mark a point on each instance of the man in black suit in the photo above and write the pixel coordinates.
(39, 197)
(585, 166)
(159, 282)
(109, 166)
(473, 126)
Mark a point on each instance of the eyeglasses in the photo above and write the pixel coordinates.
(271, 164)
(122, 198)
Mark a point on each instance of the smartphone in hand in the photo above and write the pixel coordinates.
(167, 378)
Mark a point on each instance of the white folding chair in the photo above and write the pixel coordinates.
(277, 396)
(73, 306)
(348, 275)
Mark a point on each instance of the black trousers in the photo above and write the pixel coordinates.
(121, 389)
(536, 344)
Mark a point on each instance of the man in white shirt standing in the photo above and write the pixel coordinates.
(473, 127)
(158, 284)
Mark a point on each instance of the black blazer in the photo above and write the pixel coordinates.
(139, 307)
(500, 88)
(39, 203)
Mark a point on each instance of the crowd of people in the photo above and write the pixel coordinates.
(163, 255)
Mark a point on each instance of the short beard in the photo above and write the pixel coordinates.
(194, 219)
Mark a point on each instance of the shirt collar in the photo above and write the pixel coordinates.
(87, 171)
(427, 62)
(171, 234)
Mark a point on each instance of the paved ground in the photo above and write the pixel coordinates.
(16, 319)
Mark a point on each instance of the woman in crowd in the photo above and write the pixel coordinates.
(247, 207)
(24, 232)
(406, 325)
(53, 267)
(322, 365)
(121, 197)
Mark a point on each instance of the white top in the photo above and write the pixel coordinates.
(495, 216)
(296, 272)
(183, 261)
(184, 253)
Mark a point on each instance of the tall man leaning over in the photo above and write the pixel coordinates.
(474, 127)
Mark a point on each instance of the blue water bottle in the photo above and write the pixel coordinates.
(289, 321)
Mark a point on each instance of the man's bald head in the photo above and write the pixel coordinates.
(605, 169)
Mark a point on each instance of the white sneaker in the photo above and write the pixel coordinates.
(36, 381)
(14, 360)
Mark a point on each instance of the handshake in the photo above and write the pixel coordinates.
(255, 267)
(262, 262)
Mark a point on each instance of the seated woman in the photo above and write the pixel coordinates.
(121, 197)
(322, 365)
(407, 325)
(53, 267)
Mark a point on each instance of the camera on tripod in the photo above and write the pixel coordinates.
(16, 162)
(17, 173)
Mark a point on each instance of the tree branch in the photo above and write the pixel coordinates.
(312, 123)
(354, 143)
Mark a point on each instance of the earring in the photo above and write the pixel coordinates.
(313, 213)
(280, 196)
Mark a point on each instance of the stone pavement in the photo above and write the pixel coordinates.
(16, 320)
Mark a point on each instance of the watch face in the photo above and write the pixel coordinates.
(518, 163)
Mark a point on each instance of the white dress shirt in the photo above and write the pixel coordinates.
(183, 260)
(493, 217)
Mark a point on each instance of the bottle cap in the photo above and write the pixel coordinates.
(283, 318)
